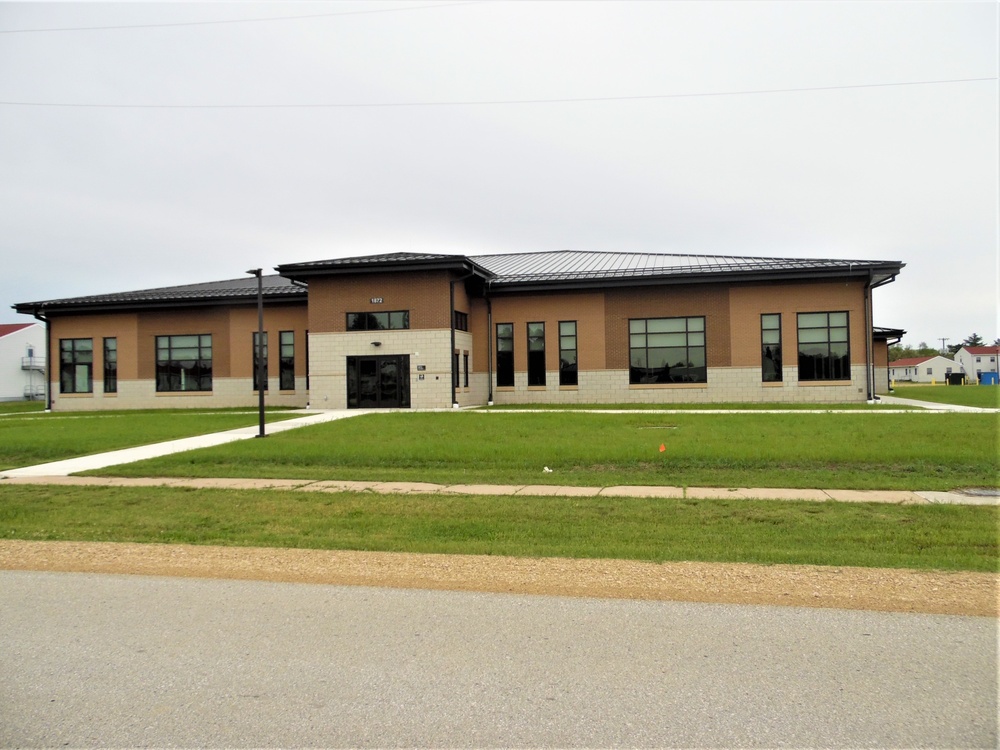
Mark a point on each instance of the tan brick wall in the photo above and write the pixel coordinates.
(232, 341)
(725, 385)
(425, 294)
(430, 349)
(708, 300)
(587, 309)
(749, 302)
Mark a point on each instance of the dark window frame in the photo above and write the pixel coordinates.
(465, 369)
(505, 355)
(286, 360)
(568, 368)
(770, 348)
(172, 372)
(536, 354)
(656, 339)
(461, 322)
(110, 353)
(829, 358)
(392, 320)
(75, 354)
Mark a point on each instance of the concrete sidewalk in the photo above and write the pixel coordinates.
(58, 472)
(155, 450)
(895, 497)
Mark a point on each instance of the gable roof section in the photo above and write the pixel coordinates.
(242, 290)
(911, 361)
(8, 328)
(980, 350)
(574, 268)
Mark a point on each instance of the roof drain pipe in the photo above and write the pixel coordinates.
(869, 332)
(489, 347)
(451, 354)
(48, 360)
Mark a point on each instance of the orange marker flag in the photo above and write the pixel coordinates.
(663, 447)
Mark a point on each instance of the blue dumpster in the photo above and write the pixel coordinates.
(988, 378)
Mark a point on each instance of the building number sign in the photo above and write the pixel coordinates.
(377, 300)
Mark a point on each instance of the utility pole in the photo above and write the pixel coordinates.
(943, 350)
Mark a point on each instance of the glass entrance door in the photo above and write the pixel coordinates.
(378, 382)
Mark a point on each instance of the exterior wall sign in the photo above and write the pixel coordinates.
(377, 300)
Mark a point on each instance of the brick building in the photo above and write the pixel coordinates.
(406, 330)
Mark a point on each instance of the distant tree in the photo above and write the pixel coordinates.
(905, 351)
(973, 340)
(996, 342)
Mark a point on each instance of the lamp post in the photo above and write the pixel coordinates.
(259, 349)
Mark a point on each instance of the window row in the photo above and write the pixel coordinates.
(674, 350)
(183, 363)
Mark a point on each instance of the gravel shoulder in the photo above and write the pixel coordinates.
(877, 589)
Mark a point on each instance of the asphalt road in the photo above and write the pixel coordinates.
(115, 661)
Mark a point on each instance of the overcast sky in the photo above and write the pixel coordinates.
(674, 149)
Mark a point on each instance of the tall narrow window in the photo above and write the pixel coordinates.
(667, 350)
(505, 355)
(454, 369)
(824, 353)
(567, 353)
(465, 369)
(76, 365)
(111, 365)
(286, 361)
(184, 363)
(770, 348)
(262, 352)
(536, 354)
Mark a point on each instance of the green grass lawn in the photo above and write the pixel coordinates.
(21, 407)
(854, 450)
(983, 396)
(870, 535)
(34, 437)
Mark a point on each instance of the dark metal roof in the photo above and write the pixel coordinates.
(384, 263)
(568, 268)
(887, 333)
(211, 292)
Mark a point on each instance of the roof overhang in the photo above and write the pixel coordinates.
(403, 263)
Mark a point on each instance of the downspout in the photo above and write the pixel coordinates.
(869, 346)
(451, 353)
(48, 360)
(489, 345)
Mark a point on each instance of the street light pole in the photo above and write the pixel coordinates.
(259, 349)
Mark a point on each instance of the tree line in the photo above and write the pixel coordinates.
(904, 351)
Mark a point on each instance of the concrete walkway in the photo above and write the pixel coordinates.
(58, 472)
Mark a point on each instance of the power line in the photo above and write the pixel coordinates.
(496, 102)
(234, 20)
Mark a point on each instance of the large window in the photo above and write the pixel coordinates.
(184, 363)
(461, 321)
(256, 362)
(76, 365)
(770, 348)
(667, 350)
(286, 361)
(378, 321)
(567, 353)
(111, 365)
(505, 355)
(536, 354)
(824, 353)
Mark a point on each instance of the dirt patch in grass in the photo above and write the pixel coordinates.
(887, 590)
